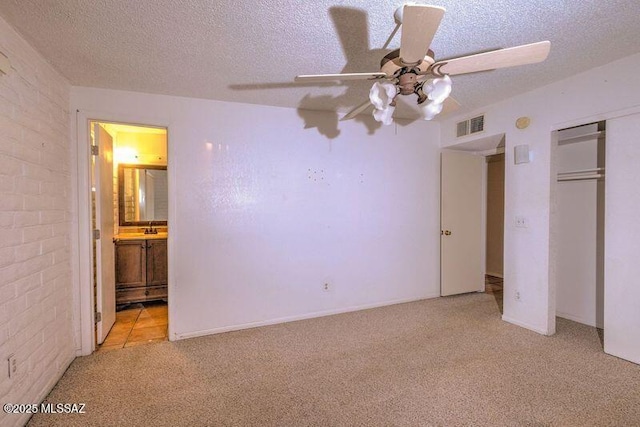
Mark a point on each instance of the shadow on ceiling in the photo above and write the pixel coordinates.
(352, 29)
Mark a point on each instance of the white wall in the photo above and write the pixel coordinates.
(35, 194)
(598, 94)
(495, 216)
(264, 211)
(622, 239)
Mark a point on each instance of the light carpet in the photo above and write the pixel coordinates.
(442, 362)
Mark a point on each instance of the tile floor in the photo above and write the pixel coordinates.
(137, 324)
(494, 285)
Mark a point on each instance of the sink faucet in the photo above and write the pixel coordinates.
(150, 230)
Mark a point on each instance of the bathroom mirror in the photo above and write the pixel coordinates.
(142, 195)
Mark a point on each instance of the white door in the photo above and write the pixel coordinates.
(461, 268)
(105, 257)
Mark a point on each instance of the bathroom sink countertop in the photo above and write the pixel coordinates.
(139, 236)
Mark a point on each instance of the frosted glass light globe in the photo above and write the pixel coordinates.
(382, 94)
(438, 89)
(431, 109)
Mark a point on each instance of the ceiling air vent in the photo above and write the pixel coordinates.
(470, 126)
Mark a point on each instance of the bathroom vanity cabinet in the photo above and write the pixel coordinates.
(141, 270)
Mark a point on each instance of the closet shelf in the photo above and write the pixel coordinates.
(581, 138)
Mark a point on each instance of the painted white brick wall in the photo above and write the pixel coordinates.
(35, 226)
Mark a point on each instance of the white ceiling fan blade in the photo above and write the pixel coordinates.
(357, 110)
(344, 76)
(450, 105)
(419, 25)
(502, 58)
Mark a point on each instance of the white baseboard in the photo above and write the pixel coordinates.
(533, 328)
(576, 319)
(184, 335)
(621, 355)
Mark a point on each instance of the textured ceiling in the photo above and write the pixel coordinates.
(250, 51)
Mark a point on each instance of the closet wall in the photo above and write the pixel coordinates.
(495, 215)
(580, 198)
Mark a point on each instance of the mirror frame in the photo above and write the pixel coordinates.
(121, 218)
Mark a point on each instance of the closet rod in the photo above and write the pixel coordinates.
(580, 171)
(580, 178)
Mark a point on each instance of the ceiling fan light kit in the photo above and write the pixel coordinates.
(382, 94)
(384, 116)
(431, 109)
(439, 89)
(412, 69)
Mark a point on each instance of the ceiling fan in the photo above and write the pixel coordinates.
(412, 69)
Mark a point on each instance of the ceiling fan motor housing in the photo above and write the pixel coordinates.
(406, 76)
(392, 63)
(407, 83)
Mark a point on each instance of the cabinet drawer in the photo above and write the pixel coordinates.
(141, 294)
(156, 292)
(127, 295)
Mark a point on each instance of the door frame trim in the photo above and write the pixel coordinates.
(81, 248)
(483, 151)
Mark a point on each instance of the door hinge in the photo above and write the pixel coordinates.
(95, 150)
(96, 234)
(98, 317)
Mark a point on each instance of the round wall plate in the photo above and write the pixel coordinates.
(523, 122)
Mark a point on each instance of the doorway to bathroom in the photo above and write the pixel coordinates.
(129, 201)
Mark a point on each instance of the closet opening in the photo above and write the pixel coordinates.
(580, 195)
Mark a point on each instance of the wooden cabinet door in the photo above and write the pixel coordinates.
(131, 263)
(156, 262)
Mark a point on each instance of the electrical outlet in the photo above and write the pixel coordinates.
(521, 222)
(517, 295)
(326, 287)
(13, 366)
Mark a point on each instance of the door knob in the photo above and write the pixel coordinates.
(447, 233)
